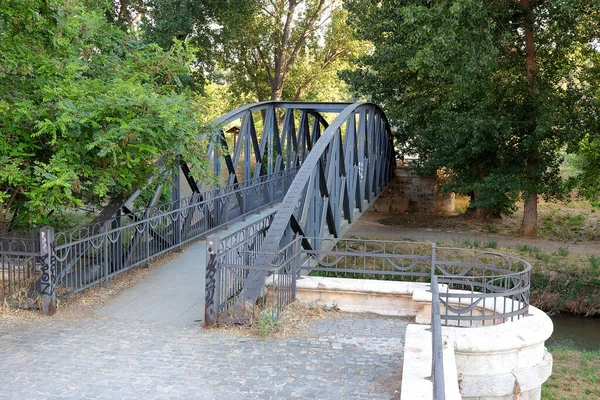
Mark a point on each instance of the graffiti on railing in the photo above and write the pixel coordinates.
(210, 312)
(48, 271)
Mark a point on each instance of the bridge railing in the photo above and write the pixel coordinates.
(87, 256)
(475, 287)
(18, 261)
(230, 264)
(90, 255)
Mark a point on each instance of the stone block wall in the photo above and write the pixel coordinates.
(409, 192)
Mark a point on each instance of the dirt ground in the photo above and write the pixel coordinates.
(574, 226)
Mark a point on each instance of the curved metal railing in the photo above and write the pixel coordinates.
(476, 287)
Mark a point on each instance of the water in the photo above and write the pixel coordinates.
(581, 332)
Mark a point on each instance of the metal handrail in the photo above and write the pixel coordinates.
(437, 346)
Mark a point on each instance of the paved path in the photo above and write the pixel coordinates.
(347, 357)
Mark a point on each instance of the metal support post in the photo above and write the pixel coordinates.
(48, 271)
(433, 262)
(106, 259)
(211, 293)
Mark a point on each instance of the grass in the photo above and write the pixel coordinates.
(490, 228)
(491, 244)
(594, 263)
(575, 375)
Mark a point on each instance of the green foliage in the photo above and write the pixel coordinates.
(452, 77)
(575, 374)
(569, 290)
(491, 228)
(86, 109)
(594, 263)
(533, 251)
(563, 251)
(262, 50)
(266, 324)
(588, 164)
(491, 244)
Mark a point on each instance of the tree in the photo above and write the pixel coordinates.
(86, 109)
(491, 89)
(587, 163)
(280, 49)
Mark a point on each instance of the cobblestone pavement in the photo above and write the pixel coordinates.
(351, 356)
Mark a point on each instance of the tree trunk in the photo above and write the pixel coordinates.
(529, 224)
(277, 91)
(481, 214)
(530, 215)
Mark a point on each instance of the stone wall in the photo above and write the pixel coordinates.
(409, 192)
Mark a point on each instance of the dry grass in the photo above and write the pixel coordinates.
(295, 320)
(575, 375)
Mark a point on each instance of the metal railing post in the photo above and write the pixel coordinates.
(433, 262)
(48, 271)
(106, 247)
(147, 246)
(212, 281)
(296, 266)
(437, 346)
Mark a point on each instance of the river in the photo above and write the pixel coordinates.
(583, 333)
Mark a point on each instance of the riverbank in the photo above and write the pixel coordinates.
(575, 374)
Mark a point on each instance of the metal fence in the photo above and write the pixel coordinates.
(476, 287)
(230, 262)
(18, 271)
(90, 255)
(369, 259)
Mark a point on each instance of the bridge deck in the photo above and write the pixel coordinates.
(175, 291)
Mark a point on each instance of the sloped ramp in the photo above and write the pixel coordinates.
(174, 292)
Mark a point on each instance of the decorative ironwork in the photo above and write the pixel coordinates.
(476, 287)
(90, 255)
(19, 271)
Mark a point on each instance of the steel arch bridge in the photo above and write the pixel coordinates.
(340, 171)
(318, 164)
(337, 167)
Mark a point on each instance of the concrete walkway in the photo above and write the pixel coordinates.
(175, 291)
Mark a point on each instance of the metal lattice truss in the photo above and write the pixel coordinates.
(346, 169)
(273, 140)
(279, 141)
